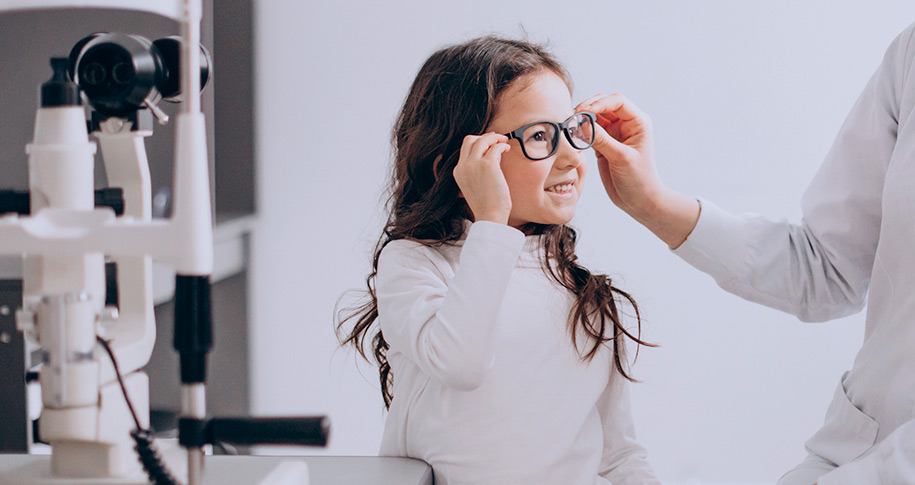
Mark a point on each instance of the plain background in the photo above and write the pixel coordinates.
(746, 98)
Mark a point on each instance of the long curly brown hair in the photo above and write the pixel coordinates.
(455, 94)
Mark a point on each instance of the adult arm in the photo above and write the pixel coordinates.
(818, 269)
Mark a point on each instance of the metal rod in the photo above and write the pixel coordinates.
(190, 56)
(193, 405)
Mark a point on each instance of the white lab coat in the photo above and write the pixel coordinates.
(856, 241)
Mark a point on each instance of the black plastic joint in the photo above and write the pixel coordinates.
(112, 197)
(300, 431)
(193, 367)
(193, 326)
(15, 202)
(192, 432)
(59, 90)
(141, 120)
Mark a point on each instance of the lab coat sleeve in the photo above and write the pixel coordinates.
(891, 461)
(624, 461)
(818, 269)
(445, 326)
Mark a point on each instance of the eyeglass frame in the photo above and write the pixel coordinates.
(563, 127)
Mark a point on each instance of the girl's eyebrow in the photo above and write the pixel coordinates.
(540, 119)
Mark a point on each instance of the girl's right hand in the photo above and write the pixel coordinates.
(478, 174)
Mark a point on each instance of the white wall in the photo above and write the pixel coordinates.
(746, 98)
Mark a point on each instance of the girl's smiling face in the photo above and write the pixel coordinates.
(542, 191)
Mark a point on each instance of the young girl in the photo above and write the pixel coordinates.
(502, 359)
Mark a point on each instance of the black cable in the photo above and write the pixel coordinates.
(149, 456)
(152, 462)
(117, 372)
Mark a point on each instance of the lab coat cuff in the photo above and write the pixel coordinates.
(718, 244)
(857, 472)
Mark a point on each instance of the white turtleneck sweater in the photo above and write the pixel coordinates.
(488, 387)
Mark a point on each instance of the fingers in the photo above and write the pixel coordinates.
(490, 146)
(605, 144)
(481, 155)
(582, 106)
(495, 152)
(606, 119)
(603, 168)
(479, 176)
(613, 107)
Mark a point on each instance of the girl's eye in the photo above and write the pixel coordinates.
(540, 136)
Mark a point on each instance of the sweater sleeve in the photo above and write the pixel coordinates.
(624, 461)
(819, 269)
(444, 323)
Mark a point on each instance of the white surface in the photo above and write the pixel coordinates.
(698, 482)
(745, 97)
(171, 9)
(231, 470)
(287, 473)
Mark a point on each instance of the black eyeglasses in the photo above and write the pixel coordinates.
(540, 139)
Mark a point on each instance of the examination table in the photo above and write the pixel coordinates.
(246, 470)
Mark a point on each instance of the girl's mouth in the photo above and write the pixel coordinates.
(561, 189)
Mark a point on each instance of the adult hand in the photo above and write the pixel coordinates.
(625, 158)
(478, 174)
(625, 152)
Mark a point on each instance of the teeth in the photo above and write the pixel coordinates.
(561, 188)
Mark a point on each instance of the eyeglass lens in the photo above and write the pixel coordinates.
(540, 139)
(581, 131)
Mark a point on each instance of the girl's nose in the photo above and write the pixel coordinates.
(568, 156)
